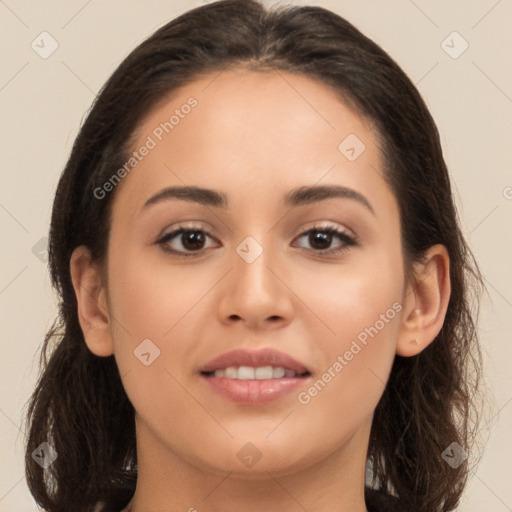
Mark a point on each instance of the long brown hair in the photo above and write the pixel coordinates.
(79, 405)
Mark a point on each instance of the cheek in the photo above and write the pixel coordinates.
(356, 363)
(152, 299)
(359, 308)
(350, 297)
(152, 307)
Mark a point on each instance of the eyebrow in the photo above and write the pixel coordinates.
(296, 197)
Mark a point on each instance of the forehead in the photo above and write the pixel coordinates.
(254, 131)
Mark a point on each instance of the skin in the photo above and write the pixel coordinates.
(255, 136)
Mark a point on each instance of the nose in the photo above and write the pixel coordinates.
(255, 292)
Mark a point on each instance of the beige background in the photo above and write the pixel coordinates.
(43, 102)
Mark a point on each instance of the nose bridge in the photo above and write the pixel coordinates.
(254, 257)
(254, 292)
(258, 248)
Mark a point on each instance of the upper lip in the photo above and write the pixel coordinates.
(254, 358)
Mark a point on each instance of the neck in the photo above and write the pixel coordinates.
(166, 481)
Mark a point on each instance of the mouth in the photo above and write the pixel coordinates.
(258, 373)
(254, 377)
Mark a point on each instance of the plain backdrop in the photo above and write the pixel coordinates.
(44, 99)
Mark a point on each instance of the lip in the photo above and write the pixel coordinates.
(254, 391)
(255, 358)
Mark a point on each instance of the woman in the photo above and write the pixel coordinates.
(265, 292)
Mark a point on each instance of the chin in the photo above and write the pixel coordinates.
(248, 460)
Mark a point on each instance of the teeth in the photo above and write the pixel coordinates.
(230, 373)
(245, 373)
(250, 373)
(263, 372)
(278, 373)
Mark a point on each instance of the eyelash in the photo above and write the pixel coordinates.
(329, 230)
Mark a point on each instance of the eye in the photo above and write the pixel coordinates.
(322, 237)
(184, 241)
(190, 241)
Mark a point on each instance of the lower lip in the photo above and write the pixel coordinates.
(254, 391)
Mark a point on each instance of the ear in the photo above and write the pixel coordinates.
(425, 302)
(92, 304)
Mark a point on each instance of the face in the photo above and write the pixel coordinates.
(267, 310)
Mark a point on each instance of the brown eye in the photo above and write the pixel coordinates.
(184, 241)
(321, 239)
(192, 240)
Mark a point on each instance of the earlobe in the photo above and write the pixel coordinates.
(91, 302)
(425, 303)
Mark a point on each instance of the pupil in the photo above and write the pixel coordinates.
(323, 238)
(192, 240)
